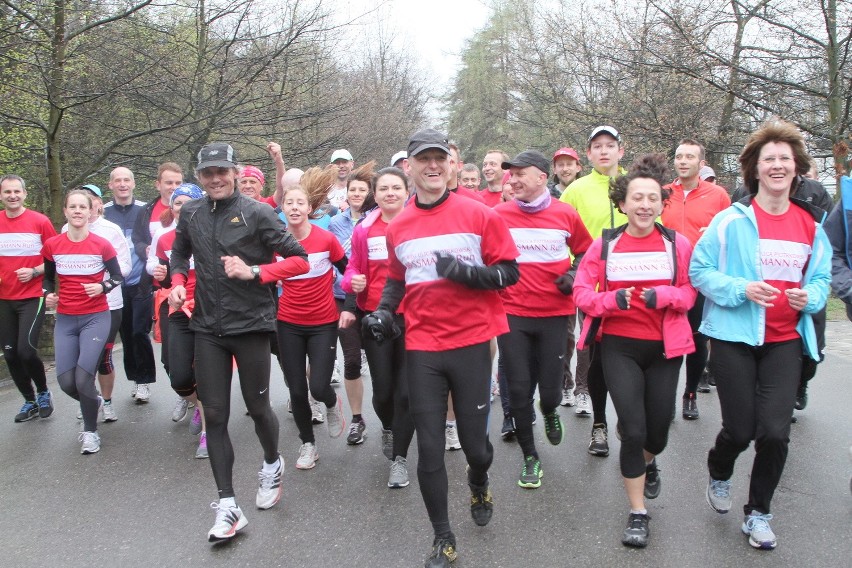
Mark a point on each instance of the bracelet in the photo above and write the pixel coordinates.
(35, 273)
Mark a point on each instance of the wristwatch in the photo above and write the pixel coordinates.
(255, 270)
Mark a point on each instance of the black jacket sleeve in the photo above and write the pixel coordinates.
(49, 282)
(141, 235)
(392, 295)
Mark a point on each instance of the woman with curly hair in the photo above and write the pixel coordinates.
(633, 284)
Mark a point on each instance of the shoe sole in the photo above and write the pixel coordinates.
(507, 435)
(599, 453)
(583, 412)
(90, 452)
(202, 456)
(241, 524)
(535, 485)
(760, 545)
(107, 420)
(636, 542)
(27, 419)
(652, 494)
(46, 414)
(703, 389)
(356, 442)
(398, 485)
(307, 467)
(141, 400)
(452, 448)
(690, 417)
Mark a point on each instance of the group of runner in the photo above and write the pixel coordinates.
(423, 270)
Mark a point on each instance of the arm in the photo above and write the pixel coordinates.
(274, 150)
(718, 287)
(494, 277)
(152, 261)
(841, 273)
(141, 235)
(586, 296)
(181, 253)
(818, 287)
(680, 296)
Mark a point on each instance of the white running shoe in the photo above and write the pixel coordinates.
(335, 420)
(452, 438)
(584, 405)
(568, 398)
(195, 422)
(179, 413)
(108, 412)
(317, 416)
(308, 456)
(143, 393)
(336, 375)
(133, 390)
(229, 520)
(201, 452)
(269, 490)
(91, 443)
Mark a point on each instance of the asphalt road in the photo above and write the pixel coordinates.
(143, 500)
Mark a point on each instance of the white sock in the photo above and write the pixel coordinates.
(227, 502)
(451, 422)
(270, 467)
(639, 511)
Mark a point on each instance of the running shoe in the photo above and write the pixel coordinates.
(451, 438)
(690, 407)
(387, 443)
(531, 473)
(229, 520)
(28, 411)
(703, 385)
(481, 504)
(269, 488)
(584, 405)
(336, 375)
(636, 532)
(495, 388)
(760, 534)
(653, 484)
(552, 426)
(443, 552)
(195, 422)
(568, 398)
(802, 396)
(308, 456)
(108, 412)
(201, 451)
(317, 416)
(335, 420)
(356, 433)
(143, 393)
(179, 412)
(90, 443)
(398, 473)
(44, 400)
(133, 390)
(598, 445)
(719, 494)
(508, 430)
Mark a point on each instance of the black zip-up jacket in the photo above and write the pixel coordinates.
(234, 226)
(141, 239)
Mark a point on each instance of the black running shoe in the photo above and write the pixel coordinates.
(690, 407)
(653, 484)
(802, 396)
(636, 532)
(443, 552)
(598, 445)
(508, 431)
(481, 504)
(553, 427)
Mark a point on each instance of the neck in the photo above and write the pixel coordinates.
(165, 201)
(388, 216)
(77, 234)
(689, 183)
(773, 204)
(611, 171)
(495, 186)
(16, 213)
(427, 198)
(124, 200)
(354, 213)
(301, 231)
(638, 231)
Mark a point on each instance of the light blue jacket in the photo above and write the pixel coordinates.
(727, 257)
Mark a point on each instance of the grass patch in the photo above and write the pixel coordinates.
(835, 309)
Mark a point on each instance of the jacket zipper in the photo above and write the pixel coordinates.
(215, 278)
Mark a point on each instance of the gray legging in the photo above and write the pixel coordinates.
(79, 343)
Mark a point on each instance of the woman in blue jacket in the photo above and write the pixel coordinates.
(764, 265)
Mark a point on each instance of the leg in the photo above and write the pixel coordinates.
(142, 349)
(253, 364)
(125, 331)
(93, 333)
(294, 351)
(516, 351)
(106, 370)
(20, 326)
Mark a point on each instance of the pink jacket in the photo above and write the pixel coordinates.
(359, 256)
(592, 296)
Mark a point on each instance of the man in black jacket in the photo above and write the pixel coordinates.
(232, 240)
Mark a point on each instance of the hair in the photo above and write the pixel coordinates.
(168, 167)
(506, 156)
(470, 168)
(78, 191)
(390, 171)
(315, 184)
(646, 166)
(692, 142)
(132, 177)
(364, 174)
(775, 130)
(14, 177)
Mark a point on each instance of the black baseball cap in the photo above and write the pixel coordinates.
(427, 139)
(528, 158)
(216, 155)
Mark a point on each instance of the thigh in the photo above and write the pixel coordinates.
(516, 354)
(9, 324)
(322, 350)
(625, 378)
(94, 330)
(549, 347)
(66, 343)
(292, 351)
(469, 372)
(428, 386)
(778, 371)
(735, 369)
(254, 362)
(213, 370)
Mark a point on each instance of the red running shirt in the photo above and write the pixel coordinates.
(377, 263)
(21, 240)
(78, 264)
(785, 247)
(491, 198)
(164, 253)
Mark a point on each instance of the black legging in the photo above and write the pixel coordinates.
(165, 347)
(532, 353)
(134, 331)
(597, 384)
(181, 342)
(696, 361)
(317, 343)
(213, 364)
(106, 366)
(350, 343)
(390, 389)
(757, 391)
(432, 375)
(20, 326)
(643, 386)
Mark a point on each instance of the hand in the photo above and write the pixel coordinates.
(380, 326)
(565, 283)
(446, 265)
(177, 297)
(798, 298)
(236, 268)
(160, 272)
(359, 283)
(51, 301)
(623, 297)
(24, 274)
(346, 319)
(762, 293)
(93, 289)
(274, 150)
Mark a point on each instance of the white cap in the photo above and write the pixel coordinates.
(341, 154)
(401, 155)
(706, 172)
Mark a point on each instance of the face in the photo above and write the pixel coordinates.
(566, 169)
(97, 209)
(430, 171)
(508, 191)
(455, 164)
(491, 169)
(776, 169)
(687, 161)
(390, 194)
(250, 187)
(77, 210)
(356, 193)
(527, 183)
(13, 195)
(643, 204)
(812, 174)
(167, 183)
(121, 184)
(470, 180)
(296, 207)
(604, 153)
(178, 204)
(219, 183)
(344, 168)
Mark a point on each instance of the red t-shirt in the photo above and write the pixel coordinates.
(164, 253)
(491, 198)
(308, 299)
(377, 263)
(154, 223)
(465, 192)
(269, 201)
(641, 262)
(78, 264)
(785, 247)
(21, 240)
(441, 314)
(543, 240)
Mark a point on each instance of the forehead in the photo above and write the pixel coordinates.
(11, 184)
(358, 184)
(120, 174)
(776, 147)
(249, 179)
(215, 170)
(340, 161)
(494, 157)
(431, 154)
(689, 149)
(565, 160)
(77, 199)
(643, 185)
(389, 179)
(603, 139)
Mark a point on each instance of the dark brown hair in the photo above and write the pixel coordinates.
(775, 130)
(647, 166)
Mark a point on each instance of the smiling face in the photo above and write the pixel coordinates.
(296, 206)
(169, 180)
(642, 205)
(491, 169)
(391, 194)
(356, 193)
(469, 179)
(430, 173)
(219, 183)
(687, 161)
(122, 184)
(77, 209)
(250, 187)
(13, 195)
(776, 169)
(527, 183)
(344, 168)
(566, 169)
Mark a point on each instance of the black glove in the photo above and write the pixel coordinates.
(565, 283)
(448, 266)
(380, 326)
(651, 299)
(621, 299)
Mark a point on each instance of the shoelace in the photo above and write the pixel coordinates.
(28, 406)
(531, 466)
(599, 436)
(43, 399)
(267, 480)
(445, 547)
(221, 512)
(398, 468)
(354, 427)
(720, 488)
(758, 523)
(552, 421)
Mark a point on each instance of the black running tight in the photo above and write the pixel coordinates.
(20, 325)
